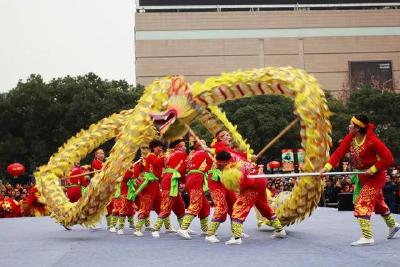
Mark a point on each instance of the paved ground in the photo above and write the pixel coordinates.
(321, 240)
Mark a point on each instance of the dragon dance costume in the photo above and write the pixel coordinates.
(199, 163)
(97, 165)
(370, 154)
(171, 199)
(223, 200)
(251, 193)
(149, 190)
(123, 202)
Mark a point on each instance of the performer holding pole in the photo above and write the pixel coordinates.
(199, 163)
(123, 203)
(174, 174)
(368, 153)
(149, 190)
(251, 192)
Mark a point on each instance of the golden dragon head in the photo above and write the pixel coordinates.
(179, 111)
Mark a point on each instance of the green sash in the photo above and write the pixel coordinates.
(205, 176)
(118, 191)
(131, 189)
(216, 173)
(174, 181)
(148, 178)
(357, 185)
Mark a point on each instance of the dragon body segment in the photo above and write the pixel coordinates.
(168, 105)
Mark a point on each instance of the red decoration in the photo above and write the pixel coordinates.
(15, 169)
(274, 164)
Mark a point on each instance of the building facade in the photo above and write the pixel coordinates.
(339, 47)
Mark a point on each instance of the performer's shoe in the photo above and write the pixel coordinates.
(149, 228)
(244, 235)
(234, 241)
(364, 242)
(203, 233)
(113, 230)
(155, 234)
(94, 228)
(191, 232)
(393, 230)
(171, 230)
(184, 234)
(120, 232)
(280, 234)
(212, 239)
(138, 233)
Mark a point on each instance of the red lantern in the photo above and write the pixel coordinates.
(274, 164)
(15, 169)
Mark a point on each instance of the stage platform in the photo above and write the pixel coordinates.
(321, 240)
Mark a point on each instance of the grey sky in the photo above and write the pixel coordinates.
(55, 38)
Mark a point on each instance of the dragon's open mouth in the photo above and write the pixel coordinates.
(164, 120)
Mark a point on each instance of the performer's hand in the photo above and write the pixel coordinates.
(254, 158)
(369, 172)
(205, 148)
(321, 172)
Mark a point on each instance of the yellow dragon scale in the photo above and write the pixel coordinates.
(135, 128)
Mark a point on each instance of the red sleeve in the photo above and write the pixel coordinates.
(219, 146)
(83, 181)
(341, 150)
(386, 157)
(128, 175)
(149, 162)
(182, 158)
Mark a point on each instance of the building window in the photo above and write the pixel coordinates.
(373, 74)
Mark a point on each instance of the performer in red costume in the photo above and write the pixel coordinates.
(251, 193)
(75, 183)
(97, 165)
(368, 153)
(199, 163)
(34, 203)
(123, 201)
(174, 174)
(149, 190)
(223, 200)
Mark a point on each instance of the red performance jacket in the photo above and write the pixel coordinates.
(154, 164)
(177, 161)
(236, 155)
(200, 160)
(79, 180)
(97, 164)
(251, 184)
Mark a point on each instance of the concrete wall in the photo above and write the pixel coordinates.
(204, 44)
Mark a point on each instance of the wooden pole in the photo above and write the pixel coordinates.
(85, 173)
(273, 141)
(195, 136)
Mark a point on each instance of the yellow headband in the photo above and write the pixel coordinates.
(358, 122)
